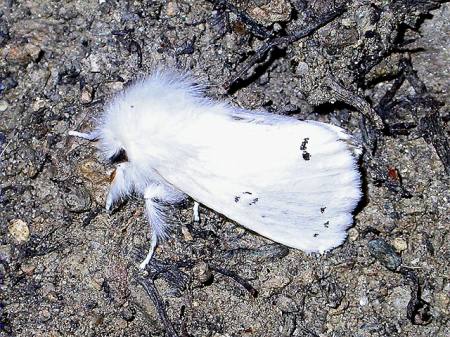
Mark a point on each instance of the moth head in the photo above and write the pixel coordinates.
(119, 157)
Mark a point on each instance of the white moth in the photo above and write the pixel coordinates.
(295, 182)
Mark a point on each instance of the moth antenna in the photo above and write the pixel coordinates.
(91, 136)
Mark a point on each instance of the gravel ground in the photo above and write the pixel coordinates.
(69, 268)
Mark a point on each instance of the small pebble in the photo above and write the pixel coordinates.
(172, 8)
(3, 105)
(400, 244)
(77, 200)
(19, 230)
(269, 13)
(186, 234)
(202, 272)
(363, 300)
(286, 304)
(87, 94)
(45, 315)
(38, 104)
(400, 297)
(353, 234)
(95, 63)
(28, 268)
(5, 253)
(385, 254)
(128, 314)
(277, 282)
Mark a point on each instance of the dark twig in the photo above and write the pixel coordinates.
(385, 103)
(254, 27)
(152, 292)
(282, 43)
(418, 311)
(170, 272)
(354, 100)
(430, 125)
(247, 286)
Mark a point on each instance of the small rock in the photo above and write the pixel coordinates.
(400, 244)
(19, 230)
(442, 300)
(87, 94)
(97, 282)
(400, 297)
(44, 315)
(95, 63)
(277, 27)
(202, 272)
(286, 304)
(347, 22)
(274, 11)
(3, 105)
(7, 83)
(172, 8)
(363, 300)
(277, 282)
(5, 253)
(33, 50)
(128, 314)
(17, 55)
(47, 289)
(77, 199)
(96, 320)
(302, 69)
(28, 268)
(353, 234)
(385, 253)
(186, 234)
(38, 104)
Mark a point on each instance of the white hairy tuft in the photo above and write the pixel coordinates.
(295, 182)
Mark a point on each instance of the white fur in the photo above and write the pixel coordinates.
(250, 166)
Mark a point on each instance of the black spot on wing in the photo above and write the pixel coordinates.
(304, 143)
(303, 147)
(236, 199)
(322, 209)
(254, 201)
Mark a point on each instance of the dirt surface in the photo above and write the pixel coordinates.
(69, 268)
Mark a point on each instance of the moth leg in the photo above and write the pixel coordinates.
(149, 256)
(195, 211)
(91, 136)
(156, 196)
(120, 186)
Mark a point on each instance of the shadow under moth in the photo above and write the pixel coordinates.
(294, 182)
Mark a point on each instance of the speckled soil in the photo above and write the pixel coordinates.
(67, 268)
